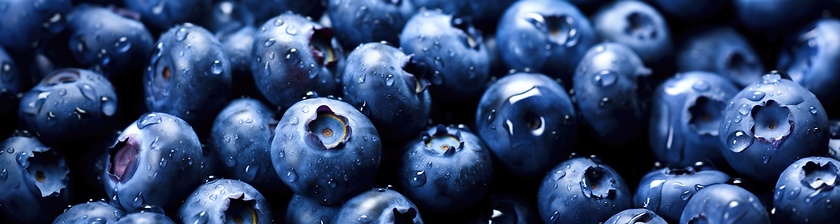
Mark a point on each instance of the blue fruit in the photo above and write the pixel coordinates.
(773, 16)
(145, 218)
(635, 216)
(771, 124)
(379, 205)
(303, 210)
(638, 26)
(32, 23)
(225, 201)
(228, 16)
(544, 36)
(809, 56)
(358, 22)
(450, 51)
(528, 122)
(160, 15)
(582, 190)
(265, 9)
(295, 55)
(686, 116)
(607, 87)
(90, 212)
(34, 178)
(666, 191)
(11, 84)
(107, 41)
(724, 203)
(721, 50)
(806, 193)
(326, 150)
(157, 150)
(385, 85)
(446, 170)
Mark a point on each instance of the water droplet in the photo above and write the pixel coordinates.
(332, 183)
(122, 44)
(213, 197)
(605, 78)
(181, 34)
(23, 159)
(163, 162)
(559, 174)
(389, 79)
(291, 176)
(364, 219)
(109, 107)
(62, 92)
(604, 102)
(250, 172)
(813, 110)
(756, 96)
(291, 30)
(739, 140)
(701, 86)
(88, 92)
(418, 179)
(10, 150)
(685, 195)
(269, 42)
(305, 109)
(4, 175)
(744, 109)
(278, 22)
(148, 119)
(230, 162)
(771, 79)
(361, 79)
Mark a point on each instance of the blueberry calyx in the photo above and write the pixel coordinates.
(240, 210)
(700, 218)
(559, 28)
(62, 76)
(123, 159)
(411, 68)
(321, 46)
(773, 123)
(403, 215)
(327, 130)
(471, 39)
(46, 169)
(641, 26)
(819, 177)
(598, 182)
(705, 116)
(442, 142)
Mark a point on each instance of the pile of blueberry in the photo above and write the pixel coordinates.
(413, 111)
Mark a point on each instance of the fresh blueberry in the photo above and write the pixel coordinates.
(508, 209)
(721, 50)
(304, 210)
(237, 45)
(160, 15)
(608, 92)
(326, 150)
(385, 84)
(362, 21)
(638, 26)
(228, 16)
(157, 161)
(636, 216)
(450, 51)
(666, 191)
(265, 9)
(772, 16)
(724, 203)
(225, 201)
(582, 190)
(188, 75)
(771, 124)
(90, 212)
(69, 105)
(379, 205)
(446, 170)
(10, 85)
(34, 178)
(809, 58)
(805, 192)
(544, 36)
(145, 218)
(691, 10)
(295, 55)
(28, 24)
(528, 122)
(685, 118)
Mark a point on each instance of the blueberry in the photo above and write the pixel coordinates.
(238, 45)
(636, 215)
(31, 22)
(638, 26)
(582, 190)
(384, 83)
(666, 191)
(69, 105)
(225, 201)
(685, 118)
(34, 178)
(145, 218)
(450, 51)
(721, 50)
(806, 191)
(379, 205)
(358, 22)
(90, 212)
(508, 209)
(10, 85)
(692, 11)
(188, 75)
(450, 7)
(528, 122)
(228, 16)
(771, 124)
(265, 9)
(544, 36)
(326, 150)
(304, 210)
(724, 203)
(773, 16)
(157, 150)
(446, 170)
(160, 15)
(809, 56)
(608, 93)
(295, 55)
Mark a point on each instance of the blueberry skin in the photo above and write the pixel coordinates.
(145, 218)
(382, 81)
(597, 192)
(450, 7)
(10, 85)
(339, 140)
(721, 50)
(690, 10)
(238, 45)
(606, 84)
(188, 75)
(358, 22)
(666, 191)
(35, 180)
(446, 170)
(160, 15)
(454, 72)
(685, 118)
(90, 212)
(241, 140)
(106, 41)
(816, 177)
(544, 36)
(295, 55)
(157, 150)
(303, 210)
(776, 15)
(69, 105)
(771, 124)
(636, 215)
(809, 56)
(32, 23)
(724, 203)
(225, 201)
(265, 9)
(379, 205)
(528, 122)
(637, 25)
(228, 16)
